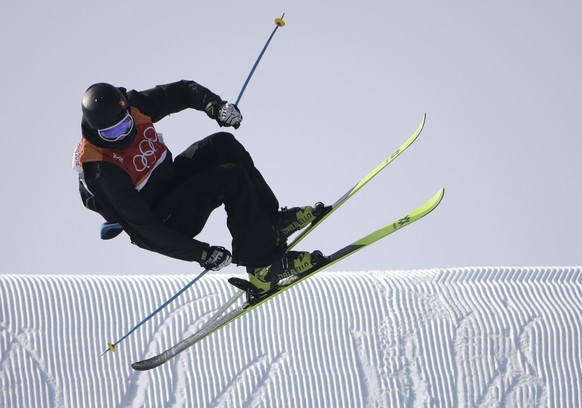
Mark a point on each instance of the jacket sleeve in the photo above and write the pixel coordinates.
(114, 190)
(164, 100)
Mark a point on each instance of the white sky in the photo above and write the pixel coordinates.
(342, 85)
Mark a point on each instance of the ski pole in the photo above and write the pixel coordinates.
(278, 23)
(111, 346)
(109, 231)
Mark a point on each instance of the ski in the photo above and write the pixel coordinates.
(221, 321)
(330, 209)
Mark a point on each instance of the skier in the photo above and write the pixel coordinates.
(126, 174)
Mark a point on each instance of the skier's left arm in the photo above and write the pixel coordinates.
(163, 100)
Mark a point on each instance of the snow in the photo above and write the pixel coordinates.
(463, 337)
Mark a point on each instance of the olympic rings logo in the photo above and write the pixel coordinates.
(147, 148)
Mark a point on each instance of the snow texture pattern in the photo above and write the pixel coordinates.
(467, 337)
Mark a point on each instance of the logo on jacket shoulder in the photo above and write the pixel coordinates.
(117, 157)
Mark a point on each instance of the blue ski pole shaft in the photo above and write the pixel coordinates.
(111, 346)
(278, 23)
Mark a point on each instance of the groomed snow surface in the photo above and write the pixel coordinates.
(471, 337)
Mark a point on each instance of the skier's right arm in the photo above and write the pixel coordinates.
(163, 100)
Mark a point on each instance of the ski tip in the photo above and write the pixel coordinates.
(441, 192)
(438, 197)
(138, 366)
(148, 364)
(422, 123)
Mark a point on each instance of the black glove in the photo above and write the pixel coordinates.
(226, 114)
(215, 258)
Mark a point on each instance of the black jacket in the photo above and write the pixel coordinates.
(107, 188)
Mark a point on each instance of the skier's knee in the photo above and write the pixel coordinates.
(224, 138)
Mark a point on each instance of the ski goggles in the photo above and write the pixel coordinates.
(117, 131)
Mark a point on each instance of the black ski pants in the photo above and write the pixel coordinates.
(218, 170)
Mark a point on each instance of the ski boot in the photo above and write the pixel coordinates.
(291, 220)
(265, 281)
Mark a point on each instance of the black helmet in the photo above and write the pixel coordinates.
(104, 105)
